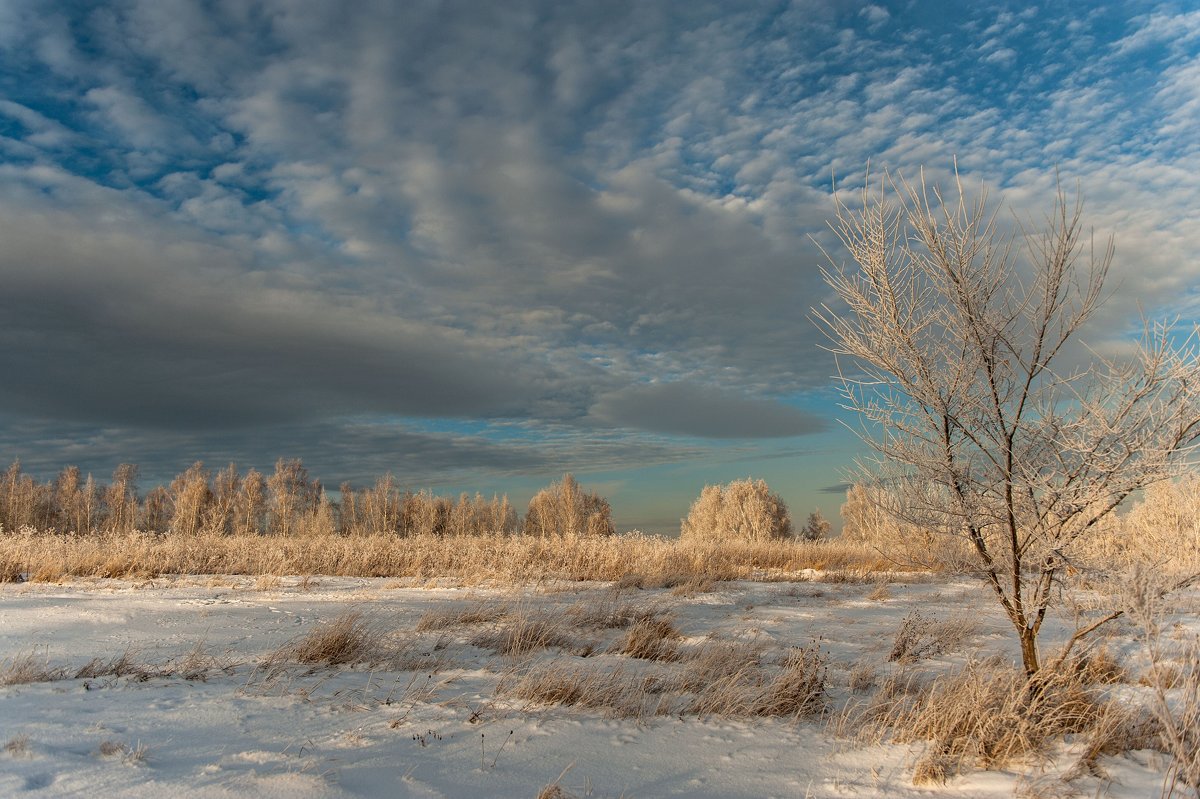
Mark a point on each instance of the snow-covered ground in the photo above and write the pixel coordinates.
(205, 718)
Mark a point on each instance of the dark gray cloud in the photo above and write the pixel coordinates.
(106, 324)
(697, 410)
(355, 450)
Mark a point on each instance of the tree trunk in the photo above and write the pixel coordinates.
(1029, 650)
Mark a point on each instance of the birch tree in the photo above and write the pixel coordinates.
(956, 346)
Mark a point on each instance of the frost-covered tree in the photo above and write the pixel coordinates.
(954, 344)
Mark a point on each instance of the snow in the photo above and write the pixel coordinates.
(432, 725)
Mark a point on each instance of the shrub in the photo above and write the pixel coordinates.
(744, 510)
(566, 509)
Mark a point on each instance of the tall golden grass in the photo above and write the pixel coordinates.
(469, 559)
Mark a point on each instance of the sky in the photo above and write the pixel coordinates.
(477, 245)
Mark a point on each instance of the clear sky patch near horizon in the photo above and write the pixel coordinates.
(478, 245)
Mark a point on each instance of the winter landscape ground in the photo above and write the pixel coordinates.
(328, 687)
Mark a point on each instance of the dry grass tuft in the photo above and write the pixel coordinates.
(445, 618)
(987, 715)
(692, 585)
(524, 632)
(25, 669)
(921, 637)
(651, 639)
(714, 661)
(880, 593)
(10, 570)
(611, 612)
(18, 746)
(616, 691)
(795, 690)
(862, 677)
(118, 666)
(1100, 667)
(553, 791)
(349, 639)
(137, 755)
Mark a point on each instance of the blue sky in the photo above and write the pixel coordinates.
(478, 245)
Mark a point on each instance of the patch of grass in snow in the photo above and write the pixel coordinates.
(349, 639)
(24, 669)
(18, 746)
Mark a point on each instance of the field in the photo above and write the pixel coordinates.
(811, 684)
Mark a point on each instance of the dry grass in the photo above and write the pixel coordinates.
(25, 669)
(921, 637)
(1099, 666)
(618, 691)
(715, 679)
(505, 559)
(349, 639)
(117, 666)
(445, 618)
(650, 639)
(794, 690)
(611, 612)
(988, 715)
(862, 677)
(880, 593)
(18, 746)
(716, 660)
(137, 755)
(526, 631)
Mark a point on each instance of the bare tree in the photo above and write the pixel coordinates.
(817, 528)
(564, 508)
(744, 510)
(121, 499)
(982, 424)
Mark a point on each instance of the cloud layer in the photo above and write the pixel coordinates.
(581, 220)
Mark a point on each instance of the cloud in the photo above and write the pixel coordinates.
(133, 319)
(595, 220)
(875, 15)
(697, 410)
